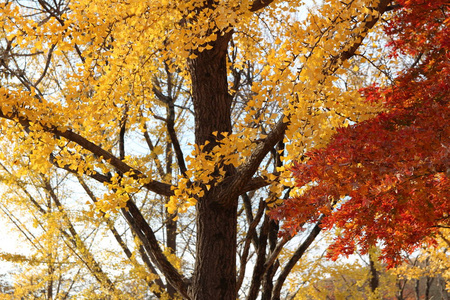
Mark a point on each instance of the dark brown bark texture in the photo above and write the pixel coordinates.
(215, 266)
(374, 277)
(212, 103)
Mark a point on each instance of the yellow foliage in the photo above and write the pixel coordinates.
(104, 91)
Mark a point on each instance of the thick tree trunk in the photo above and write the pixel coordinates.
(215, 265)
(212, 103)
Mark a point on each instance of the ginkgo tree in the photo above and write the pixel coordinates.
(166, 111)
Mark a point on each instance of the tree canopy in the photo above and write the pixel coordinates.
(144, 142)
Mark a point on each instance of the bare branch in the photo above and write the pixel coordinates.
(255, 183)
(294, 259)
(122, 243)
(149, 241)
(78, 243)
(47, 65)
(150, 145)
(251, 236)
(174, 139)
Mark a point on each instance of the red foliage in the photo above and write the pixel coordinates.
(391, 172)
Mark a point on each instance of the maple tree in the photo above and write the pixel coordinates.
(102, 100)
(387, 179)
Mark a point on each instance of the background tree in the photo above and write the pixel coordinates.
(112, 95)
(419, 277)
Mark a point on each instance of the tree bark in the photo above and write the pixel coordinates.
(215, 265)
(171, 244)
(374, 276)
(212, 103)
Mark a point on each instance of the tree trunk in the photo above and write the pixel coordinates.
(171, 244)
(215, 265)
(171, 223)
(374, 277)
(212, 103)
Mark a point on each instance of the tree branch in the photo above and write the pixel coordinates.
(294, 259)
(151, 147)
(154, 186)
(174, 139)
(147, 237)
(122, 243)
(368, 24)
(47, 65)
(131, 213)
(79, 244)
(251, 236)
(254, 184)
(248, 168)
(259, 4)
